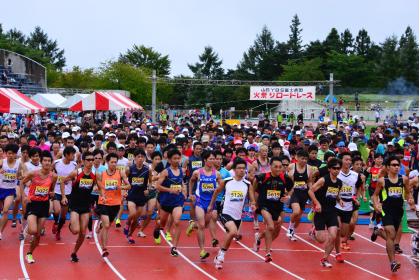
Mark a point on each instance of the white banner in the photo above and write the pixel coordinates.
(282, 93)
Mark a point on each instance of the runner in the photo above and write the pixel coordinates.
(357, 167)
(325, 193)
(273, 188)
(393, 187)
(193, 163)
(37, 211)
(236, 189)
(206, 179)
(83, 180)
(301, 175)
(122, 164)
(152, 195)
(374, 174)
(10, 169)
(139, 178)
(111, 183)
(172, 193)
(350, 191)
(62, 167)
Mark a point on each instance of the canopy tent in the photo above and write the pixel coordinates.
(105, 101)
(15, 102)
(73, 100)
(49, 100)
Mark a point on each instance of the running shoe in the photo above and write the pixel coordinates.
(117, 223)
(395, 266)
(214, 243)
(371, 224)
(204, 254)
(89, 235)
(174, 252)
(156, 236)
(374, 235)
(289, 232)
(168, 236)
(268, 258)
(325, 263)
(190, 228)
(292, 235)
(345, 246)
(54, 228)
(29, 258)
(339, 258)
(217, 263)
(126, 228)
(141, 234)
(130, 240)
(21, 236)
(74, 258)
(57, 236)
(238, 237)
(105, 253)
(351, 237)
(42, 231)
(257, 242)
(312, 234)
(397, 249)
(13, 223)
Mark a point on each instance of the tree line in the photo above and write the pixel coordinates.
(356, 60)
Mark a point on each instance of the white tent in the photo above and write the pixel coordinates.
(72, 100)
(49, 100)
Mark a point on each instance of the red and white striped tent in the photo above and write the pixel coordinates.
(105, 101)
(15, 102)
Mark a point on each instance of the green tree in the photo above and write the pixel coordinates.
(388, 67)
(263, 59)
(314, 49)
(147, 57)
(75, 78)
(308, 70)
(15, 35)
(295, 38)
(409, 56)
(209, 65)
(38, 40)
(332, 42)
(363, 43)
(347, 42)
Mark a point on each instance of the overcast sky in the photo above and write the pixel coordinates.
(93, 31)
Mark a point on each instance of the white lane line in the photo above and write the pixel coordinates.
(347, 262)
(261, 257)
(22, 260)
(108, 262)
(376, 243)
(187, 259)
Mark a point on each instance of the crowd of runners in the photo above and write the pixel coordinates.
(95, 168)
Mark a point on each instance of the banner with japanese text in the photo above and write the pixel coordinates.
(306, 93)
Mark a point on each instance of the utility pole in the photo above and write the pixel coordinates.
(331, 96)
(154, 96)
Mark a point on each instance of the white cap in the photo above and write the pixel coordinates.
(112, 134)
(180, 136)
(185, 130)
(355, 134)
(413, 174)
(100, 132)
(65, 135)
(76, 128)
(119, 146)
(90, 134)
(352, 147)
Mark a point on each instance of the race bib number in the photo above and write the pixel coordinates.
(395, 192)
(175, 187)
(375, 177)
(9, 177)
(196, 164)
(347, 189)
(85, 183)
(237, 196)
(111, 185)
(121, 167)
(41, 191)
(130, 157)
(207, 187)
(301, 185)
(332, 192)
(273, 195)
(136, 181)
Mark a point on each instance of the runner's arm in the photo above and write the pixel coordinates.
(124, 179)
(192, 181)
(162, 177)
(218, 190)
(375, 197)
(408, 193)
(313, 189)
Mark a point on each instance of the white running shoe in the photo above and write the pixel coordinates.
(289, 232)
(371, 225)
(257, 242)
(141, 234)
(217, 263)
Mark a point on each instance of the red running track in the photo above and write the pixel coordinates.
(291, 260)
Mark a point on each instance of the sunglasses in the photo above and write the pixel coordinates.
(98, 158)
(89, 159)
(285, 164)
(395, 164)
(336, 168)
